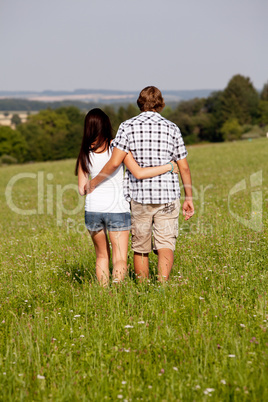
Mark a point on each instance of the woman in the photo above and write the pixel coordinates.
(106, 208)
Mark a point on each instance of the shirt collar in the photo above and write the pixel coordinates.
(149, 113)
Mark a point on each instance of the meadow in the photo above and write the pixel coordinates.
(202, 336)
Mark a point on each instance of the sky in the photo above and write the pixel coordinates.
(129, 44)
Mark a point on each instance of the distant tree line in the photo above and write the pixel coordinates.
(26, 105)
(237, 112)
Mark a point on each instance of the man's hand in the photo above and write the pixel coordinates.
(188, 206)
(188, 209)
(89, 187)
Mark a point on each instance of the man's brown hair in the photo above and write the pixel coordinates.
(150, 99)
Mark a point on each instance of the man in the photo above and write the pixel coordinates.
(155, 202)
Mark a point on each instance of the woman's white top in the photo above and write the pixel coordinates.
(108, 195)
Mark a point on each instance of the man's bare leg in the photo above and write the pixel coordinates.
(141, 265)
(165, 263)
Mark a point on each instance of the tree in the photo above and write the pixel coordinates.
(167, 112)
(54, 128)
(73, 113)
(264, 92)
(53, 134)
(16, 120)
(109, 110)
(38, 141)
(204, 127)
(71, 141)
(196, 121)
(263, 113)
(12, 143)
(125, 113)
(50, 121)
(184, 122)
(213, 105)
(231, 130)
(239, 100)
(191, 107)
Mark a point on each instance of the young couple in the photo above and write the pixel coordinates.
(153, 151)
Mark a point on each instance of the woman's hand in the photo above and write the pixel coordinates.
(175, 167)
(89, 187)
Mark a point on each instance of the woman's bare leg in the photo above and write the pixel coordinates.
(102, 250)
(119, 242)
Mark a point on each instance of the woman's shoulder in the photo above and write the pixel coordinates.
(101, 151)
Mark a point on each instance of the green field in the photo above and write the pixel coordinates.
(202, 336)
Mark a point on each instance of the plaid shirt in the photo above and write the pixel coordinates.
(153, 141)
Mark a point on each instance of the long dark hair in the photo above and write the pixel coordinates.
(97, 134)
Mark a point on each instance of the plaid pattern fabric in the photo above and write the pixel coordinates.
(153, 141)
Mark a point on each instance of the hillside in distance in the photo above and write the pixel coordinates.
(100, 95)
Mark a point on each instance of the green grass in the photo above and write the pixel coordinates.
(63, 338)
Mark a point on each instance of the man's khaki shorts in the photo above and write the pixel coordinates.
(161, 220)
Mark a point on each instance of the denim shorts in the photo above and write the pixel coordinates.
(113, 222)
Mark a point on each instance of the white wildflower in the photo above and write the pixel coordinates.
(208, 391)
